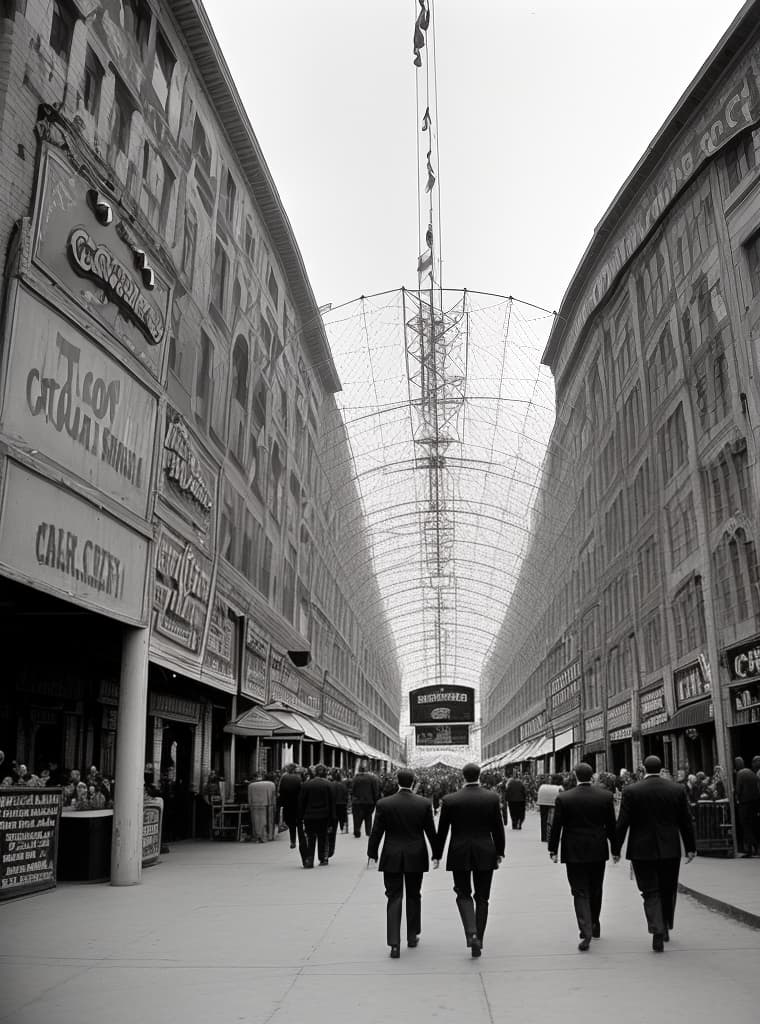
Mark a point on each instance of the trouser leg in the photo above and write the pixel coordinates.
(482, 887)
(368, 818)
(413, 886)
(544, 813)
(331, 837)
(596, 889)
(321, 833)
(648, 881)
(394, 889)
(578, 877)
(311, 841)
(465, 905)
(359, 813)
(667, 872)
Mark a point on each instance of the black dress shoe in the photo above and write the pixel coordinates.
(475, 945)
(658, 940)
(395, 952)
(324, 863)
(596, 931)
(412, 943)
(584, 944)
(308, 863)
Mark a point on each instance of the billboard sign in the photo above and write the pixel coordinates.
(442, 735)
(441, 705)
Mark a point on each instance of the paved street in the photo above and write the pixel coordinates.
(235, 932)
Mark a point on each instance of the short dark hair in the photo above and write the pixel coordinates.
(471, 772)
(583, 772)
(320, 770)
(405, 777)
(652, 764)
(556, 779)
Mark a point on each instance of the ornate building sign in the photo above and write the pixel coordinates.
(441, 704)
(652, 711)
(442, 735)
(564, 690)
(187, 478)
(69, 400)
(690, 683)
(744, 667)
(51, 538)
(594, 728)
(181, 595)
(532, 727)
(84, 241)
(254, 682)
(219, 656)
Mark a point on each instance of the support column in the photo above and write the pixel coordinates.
(126, 850)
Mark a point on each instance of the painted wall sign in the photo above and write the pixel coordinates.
(532, 727)
(104, 266)
(745, 704)
(54, 538)
(564, 689)
(254, 682)
(29, 823)
(690, 683)
(151, 831)
(744, 661)
(619, 735)
(652, 710)
(178, 709)
(71, 401)
(441, 704)
(219, 655)
(594, 728)
(720, 120)
(442, 735)
(182, 592)
(619, 713)
(188, 480)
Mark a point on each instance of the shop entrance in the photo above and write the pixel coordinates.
(622, 757)
(177, 743)
(745, 742)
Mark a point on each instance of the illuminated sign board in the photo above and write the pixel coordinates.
(441, 705)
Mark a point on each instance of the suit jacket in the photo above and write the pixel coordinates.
(515, 791)
(477, 830)
(746, 787)
(404, 819)
(365, 788)
(290, 790)
(317, 801)
(656, 811)
(584, 818)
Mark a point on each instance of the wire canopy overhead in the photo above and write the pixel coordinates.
(447, 412)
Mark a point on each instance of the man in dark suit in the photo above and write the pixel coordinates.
(584, 825)
(404, 819)
(365, 792)
(516, 796)
(476, 849)
(747, 796)
(656, 811)
(316, 807)
(287, 799)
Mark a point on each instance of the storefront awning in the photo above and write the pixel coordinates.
(253, 722)
(564, 739)
(541, 746)
(691, 715)
(594, 747)
(301, 726)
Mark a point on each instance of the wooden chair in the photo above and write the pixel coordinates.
(227, 819)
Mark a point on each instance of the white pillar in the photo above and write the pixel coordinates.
(126, 850)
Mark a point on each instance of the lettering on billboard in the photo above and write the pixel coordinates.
(744, 661)
(186, 476)
(690, 683)
(29, 821)
(442, 704)
(533, 726)
(219, 655)
(182, 592)
(564, 689)
(652, 710)
(255, 676)
(442, 736)
(55, 538)
(70, 400)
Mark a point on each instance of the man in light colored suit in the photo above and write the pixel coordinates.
(402, 821)
(475, 851)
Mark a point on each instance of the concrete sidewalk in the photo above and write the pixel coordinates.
(238, 932)
(730, 885)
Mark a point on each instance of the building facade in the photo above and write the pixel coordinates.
(167, 389)
(634, 628)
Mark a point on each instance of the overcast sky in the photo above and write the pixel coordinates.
(543, 110)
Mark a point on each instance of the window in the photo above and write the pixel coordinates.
(752, 250)
(289, 584)
(163, 69)
(202, 154)
(62, 27)
(740, 159)
(219, 277)
(688, 332)
(189, 243)
(682, 529)
(240, 371)
(662, 369)
(93, 76)
(633, 416)
(265, 578)
(203, 379)
(156, 189)
(274, 291)
(137, 23)
(653, 643)
(648, 567)
(673, 445)
(229, 199)
(249, 243)
(121, 118)
(688, 612)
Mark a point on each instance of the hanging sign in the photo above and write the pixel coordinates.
(441, 705)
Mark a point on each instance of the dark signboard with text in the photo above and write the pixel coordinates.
(29, 823)
(442, 735)
(441, 705)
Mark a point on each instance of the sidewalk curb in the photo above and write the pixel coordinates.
(744, 916)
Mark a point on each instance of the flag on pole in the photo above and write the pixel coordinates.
(420, 28)
(426, 120)
(430, 173)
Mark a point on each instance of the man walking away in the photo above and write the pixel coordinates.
(547, 794)
(584, 825)
(516, 795)
(287, 799)
(476, 849)
(404, 820)
(656, 811)
(262, 799)
(747, 796)
(317, 811)
(365, 792)
(340, 789)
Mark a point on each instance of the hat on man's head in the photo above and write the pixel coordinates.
(471, 772)
(652, 764)
(583, 772)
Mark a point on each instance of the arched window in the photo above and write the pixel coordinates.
(240, 370)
